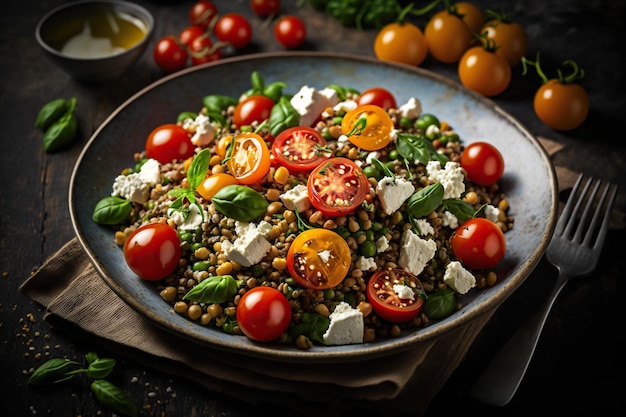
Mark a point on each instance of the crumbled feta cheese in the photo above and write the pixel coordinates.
(250, 246)
(366, 264)
(392, 192)
(150, 172)
(432, 131)
(296, 198)
(411, 109)
(131, 187)
(382, 244)
(404, 292)
(370, 156)
(310, 103)
(342, 140)
(346, 326)
(191, 221)
(451, 177)
(449, 220)
(415, 252)
(324, 256)
(459, 278)
(204, 132)
(492, 212)
(424, 227)
(345, 106)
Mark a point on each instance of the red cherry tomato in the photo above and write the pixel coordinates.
(169, 142)
(202, 50)
(256, 108)
(187, 35)
(201, 13)
(478, 243)
(483, 163)
(263, 313)
(318, 258)
(169, 54)
(290, 31)
(234, 29)
(377, 96)
(250, 158)
(299, 148)
(153, 251)
(337, 187)
(387, 303)
(264, 8)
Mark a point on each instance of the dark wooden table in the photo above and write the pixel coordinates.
(579, 364)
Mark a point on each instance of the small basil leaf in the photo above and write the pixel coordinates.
(186, 115)
(61, 133)
(113, 397)
(426, 200)
(283, 116)
(240, 202)
(440, 304)
(217, 103)
(462, 210)
(112, 210)
(418, 149)
(216, 289)
(198, 168)
(100, 368)
(52, 371)
(51, 112)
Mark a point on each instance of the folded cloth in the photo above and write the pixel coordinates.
(78, 301)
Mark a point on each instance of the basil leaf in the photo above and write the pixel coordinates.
(113, 397)
(240, 202)
(440, 304)
(462, 210)
(186, 115)
(91, 357)
(100, 368)
(51, 112)
(216, 103)
(312, 325)
(52, 371)
(342, 92)
(112, 210)
(283, 116)
(426, 200)
(274, 91)
(418, 149)
(61, 133)
(198, 169)
(216, 289)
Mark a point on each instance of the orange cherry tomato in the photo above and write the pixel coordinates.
(213, 183)
(472, 15)
(221, 145)
(484, 71)
(447, 36)
(369, 127)
(509, 37)
(562, 106)
(387, 303)
(318, 258)
(401, 42)
(249, 160)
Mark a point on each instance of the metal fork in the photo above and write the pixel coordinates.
(574, 250)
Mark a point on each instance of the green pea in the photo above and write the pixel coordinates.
(371, 171)
(369, 234)
(376, 226)
(195, 246)
(368, 248)
(326, 134)
(201, 266)
(426, 120)
(185, 236)
(394, 154)
(405, 123)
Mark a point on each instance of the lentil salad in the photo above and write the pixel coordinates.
(417, 156)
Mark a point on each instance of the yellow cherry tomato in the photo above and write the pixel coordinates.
(484, 71)
(213, 183)
(509, 37)
(561, 106)
(249, 160)
(471, 14)
(447, 36)
(401, 42)
(368, 126)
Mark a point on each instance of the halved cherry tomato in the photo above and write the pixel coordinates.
(447, 36)
(378, 96)
(318, 259)
(153, 251)
(169, 142)
(484, 71)
(233, 28)
(290, 31)
(299, 148)
(201, 13)
(478, 243)
(169, 54)
(256, 108)
(337, 187)
(387, 303)
(213, 183)
(483, 163)
(369, 127)
(263, 313)
(401, 42)
(249, 160)
(510, 38)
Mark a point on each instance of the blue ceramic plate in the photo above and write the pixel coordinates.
(529, 180)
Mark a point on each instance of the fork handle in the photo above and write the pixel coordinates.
(501, 378)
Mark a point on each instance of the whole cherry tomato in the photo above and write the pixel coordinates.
(447, 36)
(202, 50)
(169, 54)
(169, 142)
(484, 71)
(299, 148)
(264, 8)
(401, 42)
(153, 251)
(234, 29)
(509, 37)
(318, 258)
(187, 35)
(478, 243)
(290, 31)
(255, 108)
(390, 303)
(377, 96)
(263, 313)
(483, 163)
(471, 14)
(202, 13)
(369, 127)
(249, 160)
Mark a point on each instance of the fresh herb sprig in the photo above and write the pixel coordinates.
(195, 174)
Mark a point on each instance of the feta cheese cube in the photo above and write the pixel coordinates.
(250, 246)
(150, 172)
(424, 227)
(345, 106)
(451, 177)
(415, 252)
(392, 192)
(310, 103)
(203, 130)
(449, 220)
(346, 326)
(382, 244)
(366, 264)
(296, 198)
(459, 278)
(492, 212)
(411, 109)
(131, 187)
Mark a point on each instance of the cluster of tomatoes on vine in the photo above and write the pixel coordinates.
(194, 45)
(486, 46)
